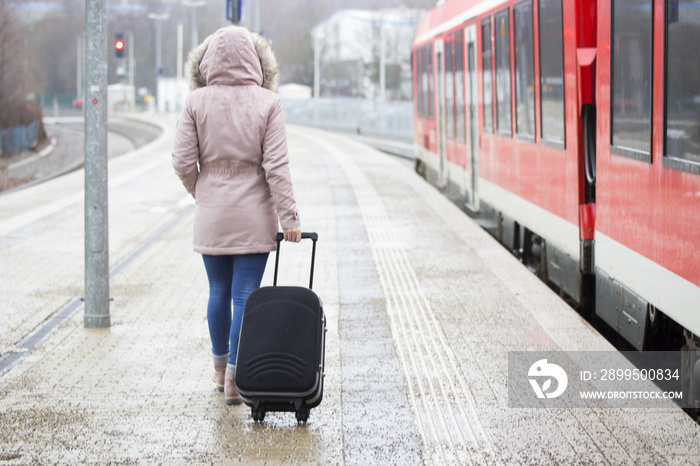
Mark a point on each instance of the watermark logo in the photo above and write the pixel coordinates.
(551, 371)
(597, 379)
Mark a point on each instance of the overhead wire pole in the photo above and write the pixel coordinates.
(80, 66)
(194, 4)
(132, 61)
(96, 202)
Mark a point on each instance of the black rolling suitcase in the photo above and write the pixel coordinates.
(281, 350)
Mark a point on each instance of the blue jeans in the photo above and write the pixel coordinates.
(231, 278)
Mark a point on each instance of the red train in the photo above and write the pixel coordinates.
(570, 129)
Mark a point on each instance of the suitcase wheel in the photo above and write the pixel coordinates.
(258, 414)
(302, 415)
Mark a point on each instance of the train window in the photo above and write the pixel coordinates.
(449, 88)
(429, 72)
(502, 33)
(682, 85)
(426, 81)
(459, 83)
(551, 70)
(631, 78)
(421, 82)
(417, 75)
(524, 70)
(487, 73)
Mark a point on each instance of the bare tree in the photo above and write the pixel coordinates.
(10, 66)
(288, 24)
(54, 40)
(15, 77)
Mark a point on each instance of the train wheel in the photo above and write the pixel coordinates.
(420, 168)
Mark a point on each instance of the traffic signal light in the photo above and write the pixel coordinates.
(119, 45)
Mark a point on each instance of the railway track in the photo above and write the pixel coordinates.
(64, 153)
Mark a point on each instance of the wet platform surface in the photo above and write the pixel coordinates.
(422, 307)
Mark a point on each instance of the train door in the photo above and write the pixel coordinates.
(439, 60)
(472, 125)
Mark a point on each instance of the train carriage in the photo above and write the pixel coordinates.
(571, 130)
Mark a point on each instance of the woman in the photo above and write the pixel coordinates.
(230, 153)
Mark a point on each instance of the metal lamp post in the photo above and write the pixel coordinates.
(96, 202)
(158, 17)
(194, 4)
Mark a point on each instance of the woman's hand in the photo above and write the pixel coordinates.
(292, 234)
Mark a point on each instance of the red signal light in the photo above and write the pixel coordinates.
(119, 45)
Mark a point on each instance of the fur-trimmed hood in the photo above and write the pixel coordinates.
(233, 56)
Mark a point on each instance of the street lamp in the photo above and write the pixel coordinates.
(158, 17)
(194, 4)
(318, 37)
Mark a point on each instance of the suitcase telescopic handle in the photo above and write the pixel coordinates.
(305, 235)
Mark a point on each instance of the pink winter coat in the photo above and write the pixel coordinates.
(230, 147)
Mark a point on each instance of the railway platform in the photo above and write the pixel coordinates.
(422, 310)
